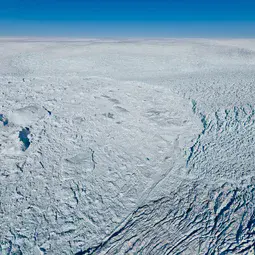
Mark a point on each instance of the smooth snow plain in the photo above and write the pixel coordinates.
(127, 147)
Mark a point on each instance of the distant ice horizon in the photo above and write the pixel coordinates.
(110, 38)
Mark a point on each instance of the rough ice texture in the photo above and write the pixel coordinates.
(127, 147)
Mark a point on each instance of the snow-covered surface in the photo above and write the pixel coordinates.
(127, 147)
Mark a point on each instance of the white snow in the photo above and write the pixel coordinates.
(136, 146)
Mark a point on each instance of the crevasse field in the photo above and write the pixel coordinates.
(127, 147)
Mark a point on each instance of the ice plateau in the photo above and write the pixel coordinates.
(127, 147)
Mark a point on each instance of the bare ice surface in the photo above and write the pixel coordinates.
(127, 147)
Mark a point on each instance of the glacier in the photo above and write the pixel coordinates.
(127, 146)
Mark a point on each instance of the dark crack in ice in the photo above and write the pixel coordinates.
(4, 120)
(23, 136)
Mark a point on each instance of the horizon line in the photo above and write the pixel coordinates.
(114, 38)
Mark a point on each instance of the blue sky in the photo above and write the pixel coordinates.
(215, 18)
